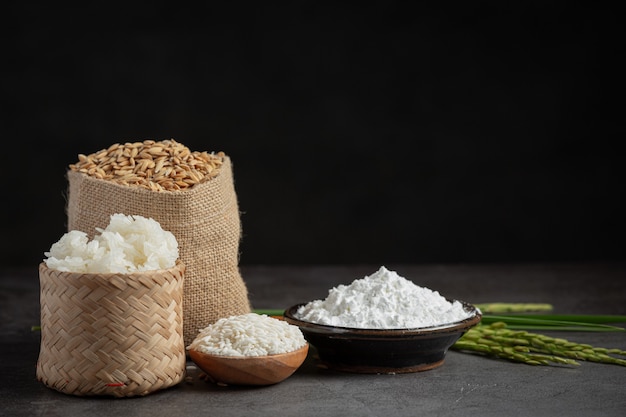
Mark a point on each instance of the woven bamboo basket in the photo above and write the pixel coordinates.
(117, 335)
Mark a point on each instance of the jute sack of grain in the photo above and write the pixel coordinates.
(205, 220)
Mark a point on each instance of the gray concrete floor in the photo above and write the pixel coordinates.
(464, 385)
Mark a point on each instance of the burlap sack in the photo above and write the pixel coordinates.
(205, 220)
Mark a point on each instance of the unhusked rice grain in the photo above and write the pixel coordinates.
(165, 165)
(249, 334)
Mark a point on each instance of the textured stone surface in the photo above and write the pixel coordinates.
(464, 385)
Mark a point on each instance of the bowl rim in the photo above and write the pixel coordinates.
(454, 327)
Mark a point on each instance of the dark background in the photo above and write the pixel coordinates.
(374, 133)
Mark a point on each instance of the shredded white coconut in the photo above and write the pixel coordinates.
(128, 244)
(383, 300)
(248, 334)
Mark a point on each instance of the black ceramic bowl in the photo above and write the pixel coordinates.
(382, 351)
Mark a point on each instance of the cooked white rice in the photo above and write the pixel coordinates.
(248, 334)
(127, 244)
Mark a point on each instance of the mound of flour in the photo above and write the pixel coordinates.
(383, 300)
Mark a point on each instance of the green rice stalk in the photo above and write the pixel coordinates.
(269, 311)
(561, 322)
(578, 318)
(499, 308)
(499, 341)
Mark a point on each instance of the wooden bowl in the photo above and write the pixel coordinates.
(249, 370)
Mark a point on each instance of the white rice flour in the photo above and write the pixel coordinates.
(383, 300)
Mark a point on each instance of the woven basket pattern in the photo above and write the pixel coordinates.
(115, 335)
